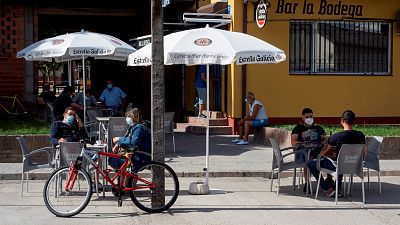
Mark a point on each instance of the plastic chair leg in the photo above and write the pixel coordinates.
(336, 189)
(379, 182)
(272, 179)
(279, 183)
(319, 181)
(22, 184)
(363, 190)
(173, 140)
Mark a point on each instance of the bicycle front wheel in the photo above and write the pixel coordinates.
(65, 194)
(146, 198)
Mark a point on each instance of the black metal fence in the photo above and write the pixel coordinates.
(340, 47)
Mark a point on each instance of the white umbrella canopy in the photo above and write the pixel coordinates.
(78, 45)
(73, 46)
(211, 46)
(205, 46)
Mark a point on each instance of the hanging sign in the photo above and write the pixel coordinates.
(261, 14)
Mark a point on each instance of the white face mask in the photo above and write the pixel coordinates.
(309, 121)
(129, 121)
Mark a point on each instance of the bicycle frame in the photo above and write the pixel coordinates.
(14, 103)
(122, 173)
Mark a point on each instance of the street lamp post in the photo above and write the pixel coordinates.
(157, 100)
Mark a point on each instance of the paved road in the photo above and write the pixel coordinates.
(244, 200)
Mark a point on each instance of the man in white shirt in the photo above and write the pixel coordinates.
(255, 117)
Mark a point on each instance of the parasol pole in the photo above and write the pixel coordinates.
(84, 89)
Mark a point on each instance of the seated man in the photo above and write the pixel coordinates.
(46, 96)
(137, 139)
(307, 135)
(347, 136)
(64, 101)
(256, 117)
(69, 129)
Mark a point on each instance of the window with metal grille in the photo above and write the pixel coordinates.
(340, 47)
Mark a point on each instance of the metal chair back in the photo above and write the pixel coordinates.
(117, 127)
(277, 156)
(169, 122)
(25, 151)
(373, 150)
(69, 151)
(350, 160)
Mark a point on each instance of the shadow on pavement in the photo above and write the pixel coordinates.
(390, 194)
(190, 145)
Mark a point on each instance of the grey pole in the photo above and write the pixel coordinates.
(157, 100)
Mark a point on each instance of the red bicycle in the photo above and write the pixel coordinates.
(69, 189)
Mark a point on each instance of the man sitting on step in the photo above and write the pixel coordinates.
(255, 117)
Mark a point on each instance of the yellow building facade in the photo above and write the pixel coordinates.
(340, 55)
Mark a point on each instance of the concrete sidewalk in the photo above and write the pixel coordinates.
(244, 200)
(226, 159)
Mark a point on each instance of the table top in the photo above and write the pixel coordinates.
(103, 118)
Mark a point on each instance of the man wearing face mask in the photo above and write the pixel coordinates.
(137, 139)
(112, 97)
(332, 149)
(307, 134)
(70, 129)
(255, 117)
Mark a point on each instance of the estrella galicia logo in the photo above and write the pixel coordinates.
(203, 42)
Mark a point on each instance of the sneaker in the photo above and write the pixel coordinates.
(201, 116)
(330, 192)
(338, 195)
(236, 140)
(242, 142)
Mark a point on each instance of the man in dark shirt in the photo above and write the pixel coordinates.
(46, 96)
(63, 101)
(307, 135)
(347, 136)
(70, 129)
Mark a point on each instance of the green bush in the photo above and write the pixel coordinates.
(368, 130)
(15, 127)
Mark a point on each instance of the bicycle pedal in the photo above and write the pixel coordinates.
(119, 203)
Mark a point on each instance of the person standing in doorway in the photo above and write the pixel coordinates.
(201, 87)
(112, 97)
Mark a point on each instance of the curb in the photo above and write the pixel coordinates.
(263, 174)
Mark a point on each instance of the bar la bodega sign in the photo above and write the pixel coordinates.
(261, 14)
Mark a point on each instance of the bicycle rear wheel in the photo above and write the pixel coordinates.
(65, 202)
(142, 198)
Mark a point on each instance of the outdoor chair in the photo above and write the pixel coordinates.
(27, 162)
(169, 126)
(349, 162)
(372, 159)
(69, 151)
(92, 125)
(279, 163)
(117, 127)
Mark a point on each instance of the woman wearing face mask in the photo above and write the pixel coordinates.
(307, 135)
(137, 139)
(69, 129)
